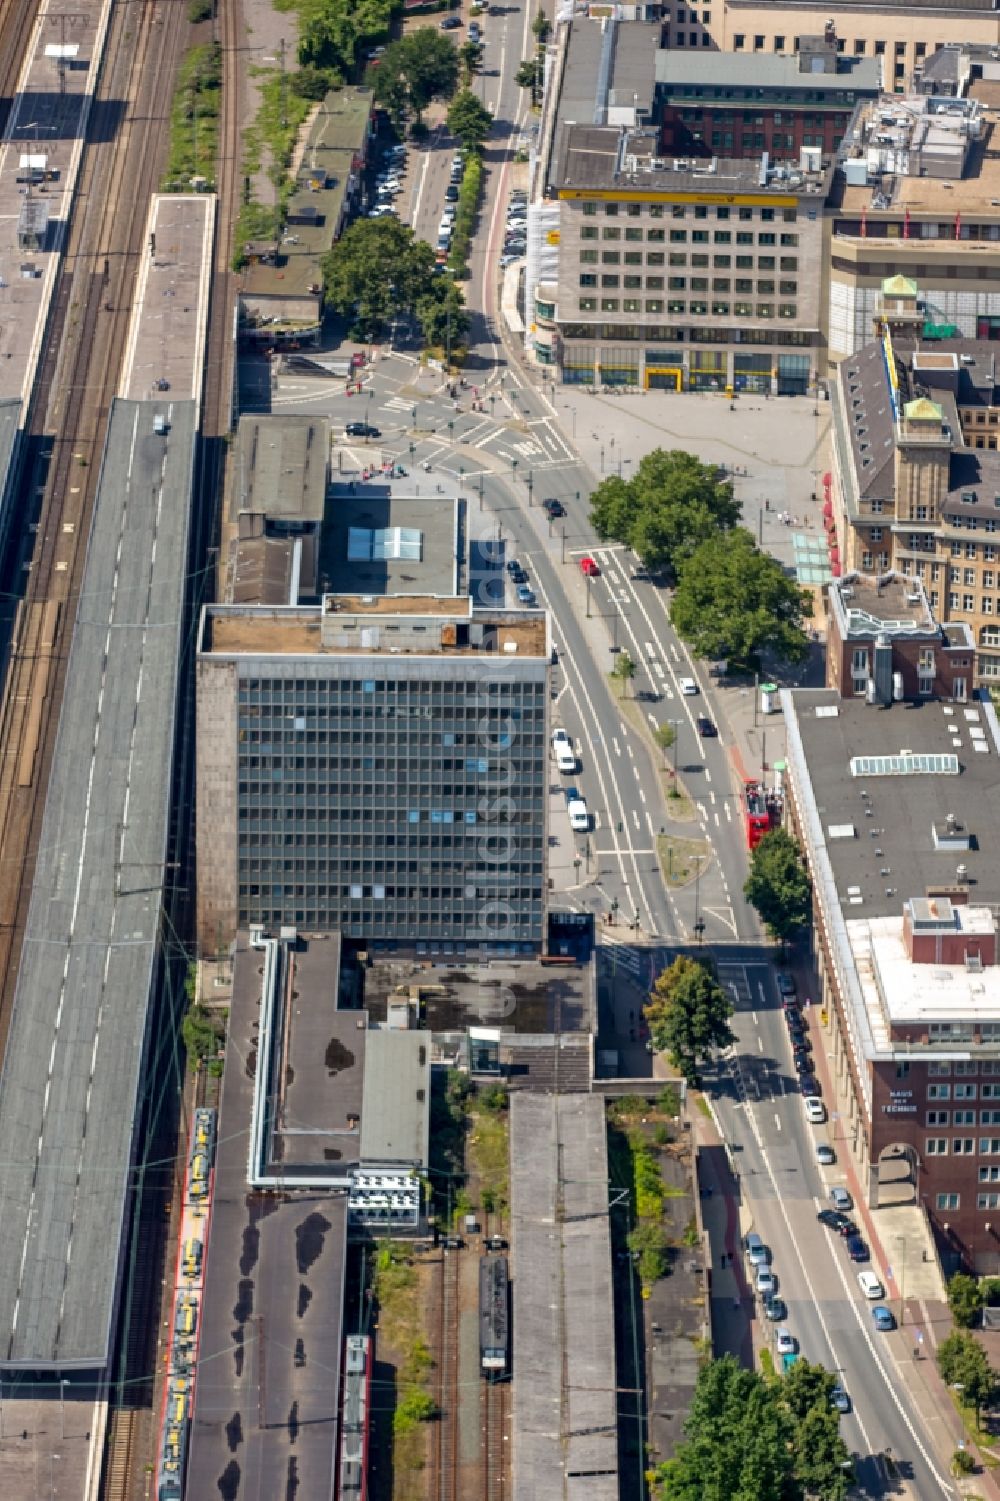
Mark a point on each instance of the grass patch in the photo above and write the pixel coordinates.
(396, 1290)
(487, 1149)
(681, 860)
(703, 1106)
(975, 1435)
(194, 119)
(634, 1165)
(767, 1365)
(276, 125)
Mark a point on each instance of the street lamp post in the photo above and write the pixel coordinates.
(531, 485)
(602, 458)
(480, 492)
(493, 402)
(564, 541)
(513, 468)
(587, 578)
(451, 429)
(901, 1241)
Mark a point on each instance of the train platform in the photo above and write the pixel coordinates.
(39, 163)
(90, 961)
(165, 351)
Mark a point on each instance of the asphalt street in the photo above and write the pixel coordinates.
(499, 442)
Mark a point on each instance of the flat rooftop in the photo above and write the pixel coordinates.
(280, 467)
(866, 603)
(395, 1119)
(608, 64)
(890, 191)
(46, 120)
(357, 556)
(596, 157)
(10, 421)
(89, 960)
(317, 1108)
(522, 996)
(303, 631)
(565, 1432)
(905, 992)
(165, 353)
(274, 1278)
(328, 168)
(705, 71)
(878, 824)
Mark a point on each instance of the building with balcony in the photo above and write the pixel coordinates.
(916, 472)
(374, 765)
(895, 806)
(883, 641)
(917, 194)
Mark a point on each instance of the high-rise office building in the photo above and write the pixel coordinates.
(375, 765)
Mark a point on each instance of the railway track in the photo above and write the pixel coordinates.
(495, 1445)
(16, 20)
(444, 1485)
(121, 1444)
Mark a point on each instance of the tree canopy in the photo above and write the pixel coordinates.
(778, 885)
(671, 504)
(964, 1363)
(965, 1299)
(752, 1439)
(421, 66)
(378, 269)
(732, 600)
(469, 121)
(331, 31)
(688, 1015)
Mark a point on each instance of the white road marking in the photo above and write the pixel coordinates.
(618, 749)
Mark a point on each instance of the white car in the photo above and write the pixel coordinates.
(562, 749)
(786, 1342)
(766, 1283)
(688, 686)
(815, 1109)
(579, 818)
(508, 260)
(757, 1252)
(870, 1286)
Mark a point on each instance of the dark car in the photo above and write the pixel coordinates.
(362, 430)
(451, 192)
(809, 1085)
(802, 1061)
(705, 727)
(517, 573)
(797, 1032)
(553, 508)
(834, 1220)
(451, 23)
(786, 985)
(857, 1249)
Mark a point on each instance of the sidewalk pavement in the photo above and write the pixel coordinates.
(733, 1324)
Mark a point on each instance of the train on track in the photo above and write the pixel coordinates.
(355, 1418)
(202, 1153)
(494, 1316)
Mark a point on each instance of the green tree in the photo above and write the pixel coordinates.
(376, 271)
(732, 600)
(471, 54)
(665, 736)
(542, 27)
(688, 1015)
(965, 1299)
(778, 885)
(442, 315)
(421, 66)
(737, 1444)
(623, 670)
(672, 503)
(529, 74)
(820, 1452)
(748, 1438)
(469, 121)
(312, 83)
(963, 1364)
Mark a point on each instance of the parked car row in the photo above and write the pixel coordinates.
(515, 241)
(388, 182)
